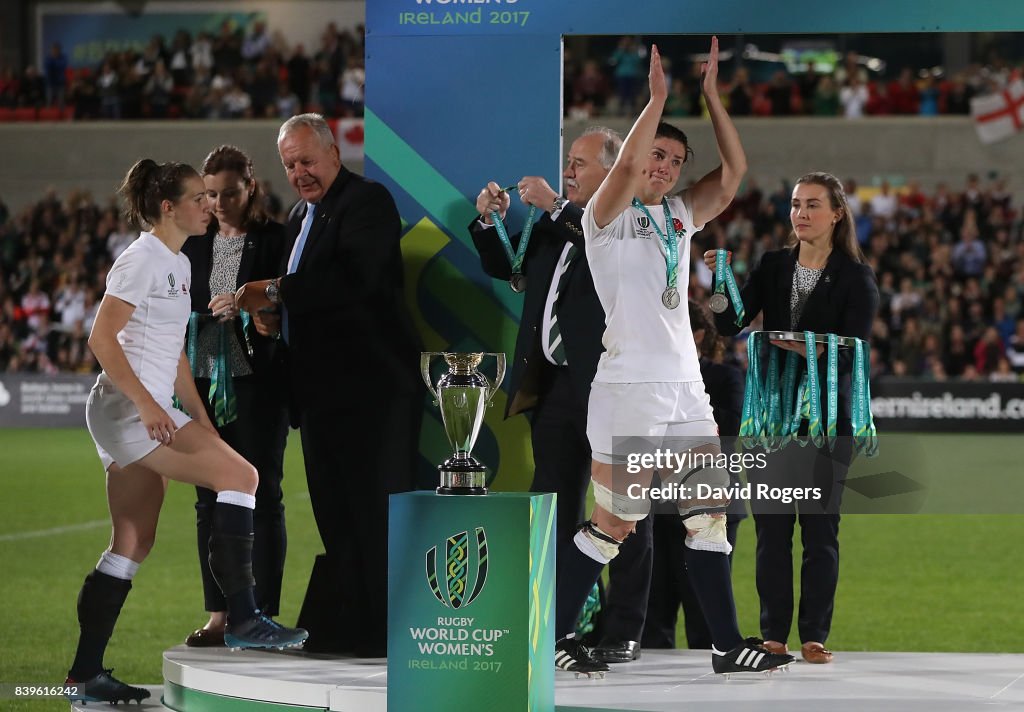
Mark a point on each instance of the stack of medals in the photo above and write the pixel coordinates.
(773, 407)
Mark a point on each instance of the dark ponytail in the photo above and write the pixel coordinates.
(147, 184)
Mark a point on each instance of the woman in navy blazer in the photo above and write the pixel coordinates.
(241, 245)
(820, 283)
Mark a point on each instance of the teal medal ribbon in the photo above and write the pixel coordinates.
(791, 399)
(774, 406)
(814, 429)
(865, 437)
(222, 390)
(832, 390)
(751, 417)
(670, 297)
(515, 257)
(726, 281)
(773, 423)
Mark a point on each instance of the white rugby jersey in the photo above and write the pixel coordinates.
(157, 282)
(644, 342)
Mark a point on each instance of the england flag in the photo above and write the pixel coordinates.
(1000, 115)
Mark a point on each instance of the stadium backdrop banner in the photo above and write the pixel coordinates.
(460, 92)
(87, 36)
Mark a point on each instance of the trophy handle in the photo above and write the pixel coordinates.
(425, 357)
(499, 375)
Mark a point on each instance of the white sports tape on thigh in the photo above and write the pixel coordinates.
(596, 543)
(630, 509)
(707, 533)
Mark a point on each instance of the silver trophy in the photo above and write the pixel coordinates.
(463, 394)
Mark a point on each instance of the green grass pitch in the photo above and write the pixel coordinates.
(925, 582)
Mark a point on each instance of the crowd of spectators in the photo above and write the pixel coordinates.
(233, 74)
(950, 267)
(253, 72)
(54, 258)
(616, 84)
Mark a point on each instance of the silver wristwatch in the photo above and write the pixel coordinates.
(558, 204)
(272, 291)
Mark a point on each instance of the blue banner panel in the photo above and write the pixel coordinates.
(88, 36)
(615, 17)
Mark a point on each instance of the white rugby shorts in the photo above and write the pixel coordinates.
(651, 412)
(117, 429)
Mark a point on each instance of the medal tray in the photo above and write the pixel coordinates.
(845, 342)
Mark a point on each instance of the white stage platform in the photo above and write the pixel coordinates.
(205, 680)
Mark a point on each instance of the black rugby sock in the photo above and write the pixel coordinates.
(231, 559)
(577, 573)
(99, 605)
(708, 572)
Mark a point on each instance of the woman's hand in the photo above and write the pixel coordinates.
(656, 76)
(223, 306)
(709, 70)
(158, 422)
(709, 259)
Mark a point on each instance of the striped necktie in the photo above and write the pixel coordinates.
(555, 344)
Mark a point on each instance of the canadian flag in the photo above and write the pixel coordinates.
(1001, 115)
(349, 134)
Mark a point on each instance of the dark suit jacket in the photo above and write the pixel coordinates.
(844, 302)
(261, 259)
(350, 334)
(724, 385)
(580, 316)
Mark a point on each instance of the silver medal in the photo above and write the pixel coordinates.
(670, 298)
(517, 282)
(718, 303)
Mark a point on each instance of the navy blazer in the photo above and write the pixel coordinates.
(350, 333)
(580, 315)
(261, 259)
(843, 302)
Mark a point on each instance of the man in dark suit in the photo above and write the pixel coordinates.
(557, 350)
(354, 378)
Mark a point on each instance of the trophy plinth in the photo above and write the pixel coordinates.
(462, 394)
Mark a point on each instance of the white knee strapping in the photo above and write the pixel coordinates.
(707, 533)
(239, 499)
(117, 566)
(704, 487)
(623, 506)
(597, 544)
